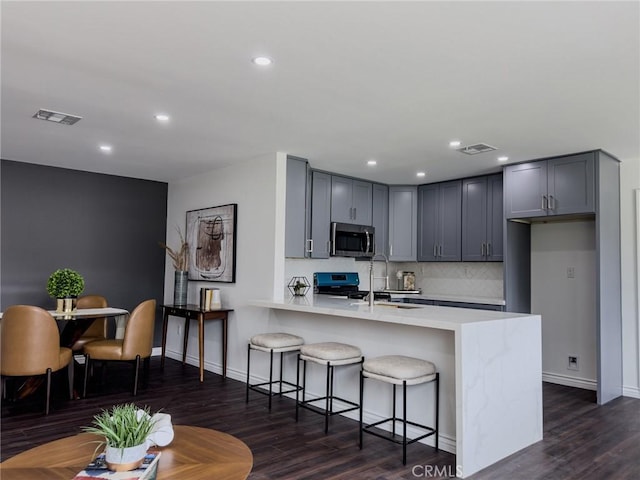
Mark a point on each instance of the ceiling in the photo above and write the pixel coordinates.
(350, 82)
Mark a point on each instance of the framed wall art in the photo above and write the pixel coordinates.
(211, 234)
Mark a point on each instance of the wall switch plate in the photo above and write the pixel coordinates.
(572, 362)
(571, 272)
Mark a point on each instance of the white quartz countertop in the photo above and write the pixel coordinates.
(445, 318)
(450, 298)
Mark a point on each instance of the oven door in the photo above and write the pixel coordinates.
(352, 240)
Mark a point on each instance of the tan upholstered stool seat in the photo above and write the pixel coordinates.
(398, 368)
(331, 352)
(278, 342)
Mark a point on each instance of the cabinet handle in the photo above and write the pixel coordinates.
(309, 245)
(331, 244)
(355, 213)
(390, 250)
(488, 249)
(552, 202)
(544, 202)
(435, 250)
(482, 249)
(439, 250)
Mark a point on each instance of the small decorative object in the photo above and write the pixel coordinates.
(125, 429)
(65, 285)
(213, 232)
(180, 258)
(299, 286)
(210, 299)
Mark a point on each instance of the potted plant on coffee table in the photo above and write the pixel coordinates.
(125, 429)
(65, 285)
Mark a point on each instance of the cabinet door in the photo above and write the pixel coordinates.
(295, 209)
(428, 198)
(450, 221)
(320, 214)
(495, 218)
(526, 190)
(474, 219)
(571, 184)
(403, 216)
(341, 199)
(380, 217)
(361, 202)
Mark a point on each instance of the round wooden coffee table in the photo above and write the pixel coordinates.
(195, 454)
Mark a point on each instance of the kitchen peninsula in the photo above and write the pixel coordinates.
(489, 362)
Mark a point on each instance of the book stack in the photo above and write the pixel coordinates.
(210, 299)
(98, 469)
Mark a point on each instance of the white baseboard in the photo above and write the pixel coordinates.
(569, 381)
(633, 392)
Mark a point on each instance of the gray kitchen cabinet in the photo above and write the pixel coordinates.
(296, 241)
(403, 223)
(380, 217)
(350, 200)
(556, 186)
(440, 222)
(482, 219)
(320, 214)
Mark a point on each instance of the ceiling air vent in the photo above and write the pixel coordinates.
(56, 117)
(476, 148)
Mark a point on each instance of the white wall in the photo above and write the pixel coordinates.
(567, 305)
(630, 250)
(253, 186)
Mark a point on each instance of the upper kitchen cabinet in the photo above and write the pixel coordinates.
(556, 186)
(482, 219)
(297, 241)
(380, 217)
(403, 223)
(440, 222)
(350, 200)
(320, 214)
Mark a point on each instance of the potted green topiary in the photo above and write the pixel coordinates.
(125, 429)
(65, 285)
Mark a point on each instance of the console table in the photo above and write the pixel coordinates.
(194, 312)
(195, 454)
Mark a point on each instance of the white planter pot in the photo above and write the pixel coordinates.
(125, 459)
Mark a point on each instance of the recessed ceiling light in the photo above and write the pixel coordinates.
(420, 174)
(105, 148)
(262, 61)
(162, 117)
(454, 143)
(503, 159)
(371, 163)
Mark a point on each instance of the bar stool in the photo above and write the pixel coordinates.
(400, 370)
(272, 343)
(330, 354)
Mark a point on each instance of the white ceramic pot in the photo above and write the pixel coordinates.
(125, 459)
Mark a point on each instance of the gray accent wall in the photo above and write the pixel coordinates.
(104, 226)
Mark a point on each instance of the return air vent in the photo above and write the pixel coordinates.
(477, 148)
(56, 117)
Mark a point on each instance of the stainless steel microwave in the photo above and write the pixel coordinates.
(352, 240)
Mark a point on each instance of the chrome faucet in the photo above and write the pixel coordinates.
(371, 296)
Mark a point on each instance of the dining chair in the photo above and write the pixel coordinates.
(30, 346)
(136, 344)
(98, 329)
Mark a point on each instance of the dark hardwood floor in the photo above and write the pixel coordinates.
(581, 439)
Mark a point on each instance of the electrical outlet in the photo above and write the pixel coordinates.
(572, 363)
(571, 272)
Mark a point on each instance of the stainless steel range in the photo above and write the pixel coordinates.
(344, 284)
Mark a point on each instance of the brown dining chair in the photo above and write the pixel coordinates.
(136, 344)
(30, 346)
(98, 329)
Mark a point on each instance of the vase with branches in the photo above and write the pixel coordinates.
(180, 259)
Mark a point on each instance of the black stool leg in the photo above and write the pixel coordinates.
(437, 408)
(281, 367)
(246, 400)
(46, 406)
(329, 399)
(86, 375)
(270, 376)
(404, 422)
(135, 375)
(361, 404)
(393, 422)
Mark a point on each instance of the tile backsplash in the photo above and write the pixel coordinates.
(475, 279)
